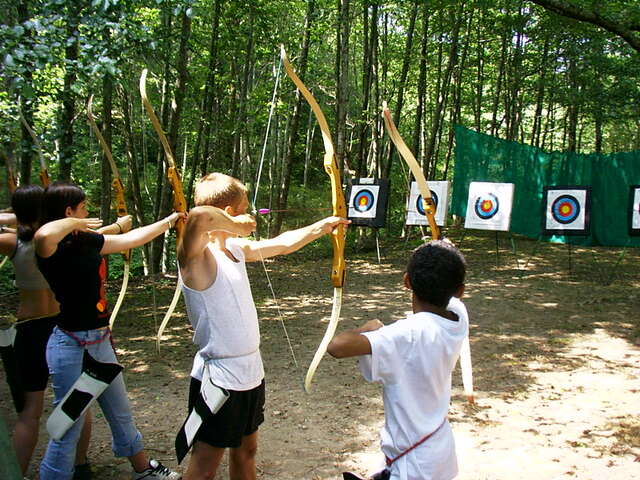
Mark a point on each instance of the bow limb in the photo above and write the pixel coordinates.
(179, 200)
(430, 211)
(427, 201)
(338, 209)
(120, 204)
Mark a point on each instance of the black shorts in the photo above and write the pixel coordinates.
(30, 347)
(241, 415)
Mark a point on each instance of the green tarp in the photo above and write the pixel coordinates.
(481, 157)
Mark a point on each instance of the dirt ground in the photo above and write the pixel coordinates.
(555, 342)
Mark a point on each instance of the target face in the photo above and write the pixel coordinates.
(368, 202)
(486, 206)
(566, 210)
(634, 210)
(415, 209)
(363, 201)
(489, 206)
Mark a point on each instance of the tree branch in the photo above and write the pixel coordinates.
(571, 10)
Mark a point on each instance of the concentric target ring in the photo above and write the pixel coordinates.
(363, 201)
(420, 206)
(486, 206)
(565, 209)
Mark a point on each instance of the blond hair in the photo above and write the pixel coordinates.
(219, 190)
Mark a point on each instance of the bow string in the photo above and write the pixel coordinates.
(339, 209)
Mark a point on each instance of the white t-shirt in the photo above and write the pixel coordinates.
(413, 359)
(225, 324)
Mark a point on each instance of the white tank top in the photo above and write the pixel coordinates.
(225, 324)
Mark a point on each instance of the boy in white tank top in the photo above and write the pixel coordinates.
(223, 315)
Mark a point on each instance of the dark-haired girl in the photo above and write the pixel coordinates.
(70, 255)
(37, 309)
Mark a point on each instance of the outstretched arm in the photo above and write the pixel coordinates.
(7, 218)
(121, 225)
(139, 236)
(351, 343)
(50, 234)
(289, 242)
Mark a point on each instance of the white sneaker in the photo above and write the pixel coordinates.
(156, 471)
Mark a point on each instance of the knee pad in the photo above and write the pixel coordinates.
(94, 379)
(208, 402)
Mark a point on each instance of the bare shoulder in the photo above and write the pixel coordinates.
(199, 273)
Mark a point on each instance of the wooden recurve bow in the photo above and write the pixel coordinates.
(120, 206)
(339, 209)
(179, 200)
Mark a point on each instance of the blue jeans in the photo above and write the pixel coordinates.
(64, 356)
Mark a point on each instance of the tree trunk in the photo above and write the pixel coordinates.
(422, 82)
(537, 116)
(342, 78)
(67, 150)
(294, 130)
(404, 72)
(495, 125)
(573, 109)
(241, 112)
(28, 145)
(107, 132)
(367, 74)
(446, 83)
(133, 185)
(206, 118)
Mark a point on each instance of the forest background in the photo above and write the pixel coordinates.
(510, 68)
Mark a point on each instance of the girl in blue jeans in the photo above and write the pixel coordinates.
(70, 256)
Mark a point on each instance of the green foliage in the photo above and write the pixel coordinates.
(508, 52)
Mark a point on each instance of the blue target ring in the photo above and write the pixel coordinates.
(363, 201)
(565, 209)
(419, 206)
(486, 206)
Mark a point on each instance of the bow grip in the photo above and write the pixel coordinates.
(179, 202)
(338, 263)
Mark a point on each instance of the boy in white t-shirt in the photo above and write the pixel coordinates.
(413, 359)
(223, 315)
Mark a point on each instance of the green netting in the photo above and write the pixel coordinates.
(481, 157)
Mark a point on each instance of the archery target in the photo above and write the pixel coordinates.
(486, 206)
(489, 206)
(363, 201)
(634, 210)
(368, 202)
(566, 210)
(415, 210)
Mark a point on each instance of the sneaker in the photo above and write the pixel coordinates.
(156, 471)
(82, 472)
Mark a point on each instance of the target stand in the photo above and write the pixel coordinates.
(367, 207)
(489, 207)
(566, 211)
